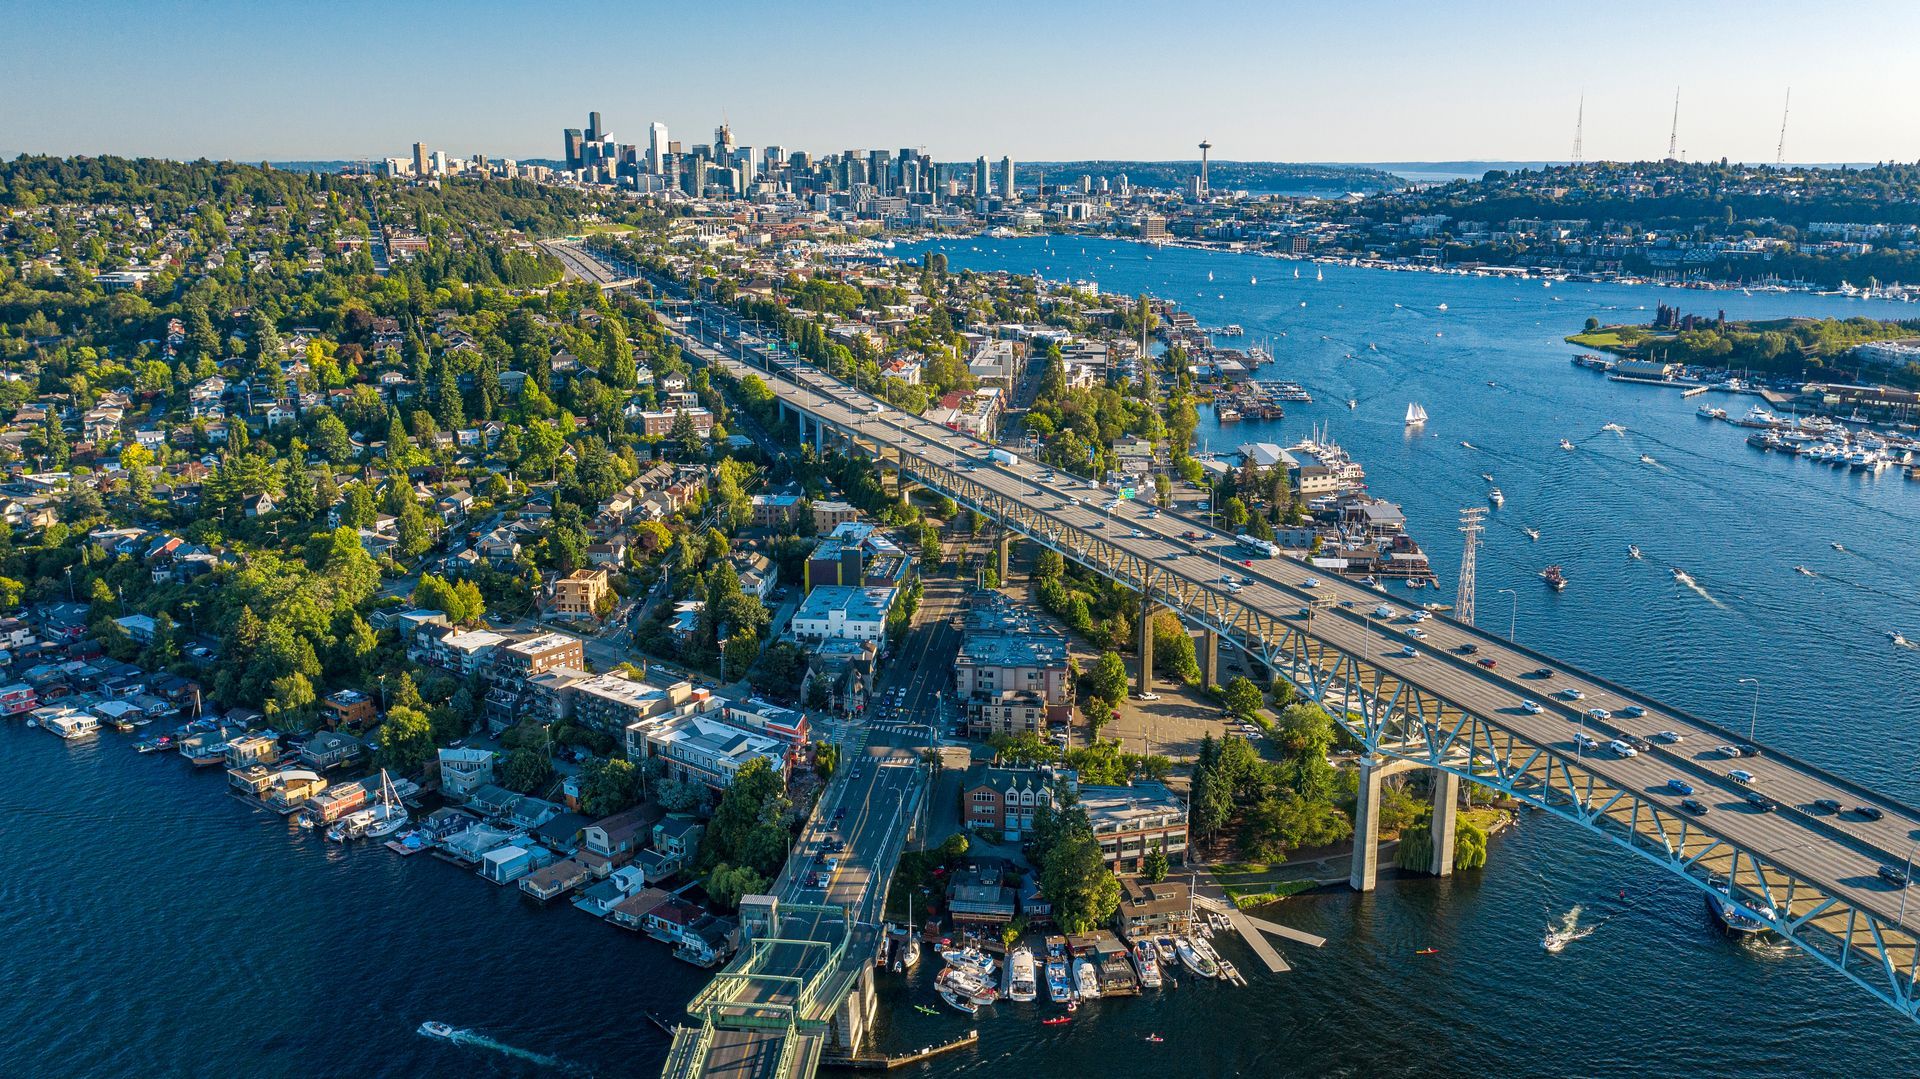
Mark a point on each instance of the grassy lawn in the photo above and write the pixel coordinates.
(607, 226)
(1247, 898)
(1602, 339)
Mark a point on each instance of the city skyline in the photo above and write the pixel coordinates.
(1474, 83)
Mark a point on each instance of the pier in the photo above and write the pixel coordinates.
(886, 1062)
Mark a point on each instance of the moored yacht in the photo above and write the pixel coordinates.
(1086, 979)
(969, 959)
(389, 816)
(1021, 985)
(1193, 960)
(1148, 965)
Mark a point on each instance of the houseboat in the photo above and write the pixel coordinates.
(72, 726)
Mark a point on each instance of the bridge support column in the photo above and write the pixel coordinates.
(802, 417)
(1366, 826)
(1144, 683)
(1209, 657)
(1006, 556)
(1446, 809)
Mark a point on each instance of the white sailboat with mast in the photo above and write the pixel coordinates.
(389, 816)
(1416, 414)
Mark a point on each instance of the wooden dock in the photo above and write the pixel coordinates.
(1253, 931)
(887, 1062)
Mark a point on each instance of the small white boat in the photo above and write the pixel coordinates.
(1494, 496)
(1682, 575)
(1148, 965)
(1898, 640)
(1565, 444)
(1086, 979)
(1465, 445)
(1633, 551)
(389, 816)
(1351, 403)
(433, 1028)
(1837, 547)
(1532, 534)
(1646, 460)
(955, 1002)
(1804, 571)
(1618, 429)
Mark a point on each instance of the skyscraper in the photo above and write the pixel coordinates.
(419, 159)
(656, 147)
(980, 177)
(722, 143)
(575, 147)
(880, 171)
(594, 131)
(1006, 179)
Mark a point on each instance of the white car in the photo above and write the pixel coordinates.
(1417, 633)
(1741, 775)
(1599, 714)
(1622, 748)
(1136, 534)
(1417, 617)
(1311, 582)
(1531, 708)
(1669, 737)
(1586, 741)
(1573, 694)
(1383, 611)
(1410, 652)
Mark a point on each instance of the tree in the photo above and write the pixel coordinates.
(330, 439)
(1084, 892)
(678, 796)
(1173, 653)
(754, 785)
(291, 700)
(684, 434)
(1244, 699)
(1106, 679)
(826, 759)
(726, 885)
(1154, 866)
(405, 740)
(1287, 822)
(608, 786)
(526, 771)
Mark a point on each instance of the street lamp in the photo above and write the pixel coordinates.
(1513, 611)
(1753, 720)
(1906, 884)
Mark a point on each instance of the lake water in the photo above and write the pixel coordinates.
(156, 926)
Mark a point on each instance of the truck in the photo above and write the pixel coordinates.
(1003, 457)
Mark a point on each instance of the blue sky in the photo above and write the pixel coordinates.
(1362, 81)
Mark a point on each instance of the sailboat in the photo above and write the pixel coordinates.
(389, 816)
(1296, 273)
(1209, 275)
(1253, 280)
(1319, 274)
(1416, 415)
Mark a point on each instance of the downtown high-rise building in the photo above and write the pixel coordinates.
(1007, 190)
(419, 159)
(657, 148)
(980, 177)
(575, 147)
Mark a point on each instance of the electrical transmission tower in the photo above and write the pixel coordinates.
(1780, 151)
(1579, 125)
(1463, 597)
(1673, 137)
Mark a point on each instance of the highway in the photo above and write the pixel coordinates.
(1842, 853)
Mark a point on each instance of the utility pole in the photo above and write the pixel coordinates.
(1463, 595)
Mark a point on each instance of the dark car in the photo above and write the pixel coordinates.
(1747, 751)
(1760, 802)
(1541, 672)
(1488, 663)
(1638, 743)
(1869, 812)
(1828, 804)
(1694, 806)
(1468, 649)
(1894, 875)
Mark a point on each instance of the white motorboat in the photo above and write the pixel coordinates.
(1682, 575)
(1059, 989)
(433, 1028)
(1086, 979)
(1532, 534)
(957, 1003)
(968, 985)
(1494, 496)
(969, 959)
(1646, 459)
(1568, 931)
(1633, 551)
(1616, 428)
(1148, 965)
(1566, 444)
(1021, 985)
(1191, 958)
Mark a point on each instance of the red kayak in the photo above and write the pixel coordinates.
(1428, 951)
(1056, 1021)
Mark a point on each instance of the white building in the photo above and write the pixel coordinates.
(843, 612)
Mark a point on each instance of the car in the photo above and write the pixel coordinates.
(1586, 741)
(1383, 611)
(1540, 672)
(1599, 714)
(813, 880)
(1489, 663)
(1416, 633)
(1727, 751)
(1311, 582)
(1572, 694)
(1633, 710)
(1830, 805)
(1893, 875)
(1246, 580)
(1760, 802)
(1247, 562)
(1679, 786)
(1694, 806)
(1740, 775)
(1468, 649)
(1170, 556)
(1622, 749)
(1672, 738)
(1531, 708)
(1190, 534)
(1347, 603)
(1136, 534)
(1869, 812)
(1409, 652)
(1225, 578)
(1639, 743)
(1096, 524)
(1418, 616)
(832, 864)
(1234, 586)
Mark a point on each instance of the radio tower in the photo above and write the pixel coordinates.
(1463, 596)
(1579, 124)
(1780, 151)
(1673, 137)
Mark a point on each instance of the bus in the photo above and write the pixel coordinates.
(1256, 545)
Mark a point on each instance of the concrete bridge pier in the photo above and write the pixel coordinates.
(1209, 658)
(1006, 556)
(1366, 821)
(1144, 645)
(1446, 810)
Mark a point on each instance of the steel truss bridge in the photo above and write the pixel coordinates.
(1502, 716)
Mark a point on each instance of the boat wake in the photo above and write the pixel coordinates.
(1568, 931)
(459, 1036)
